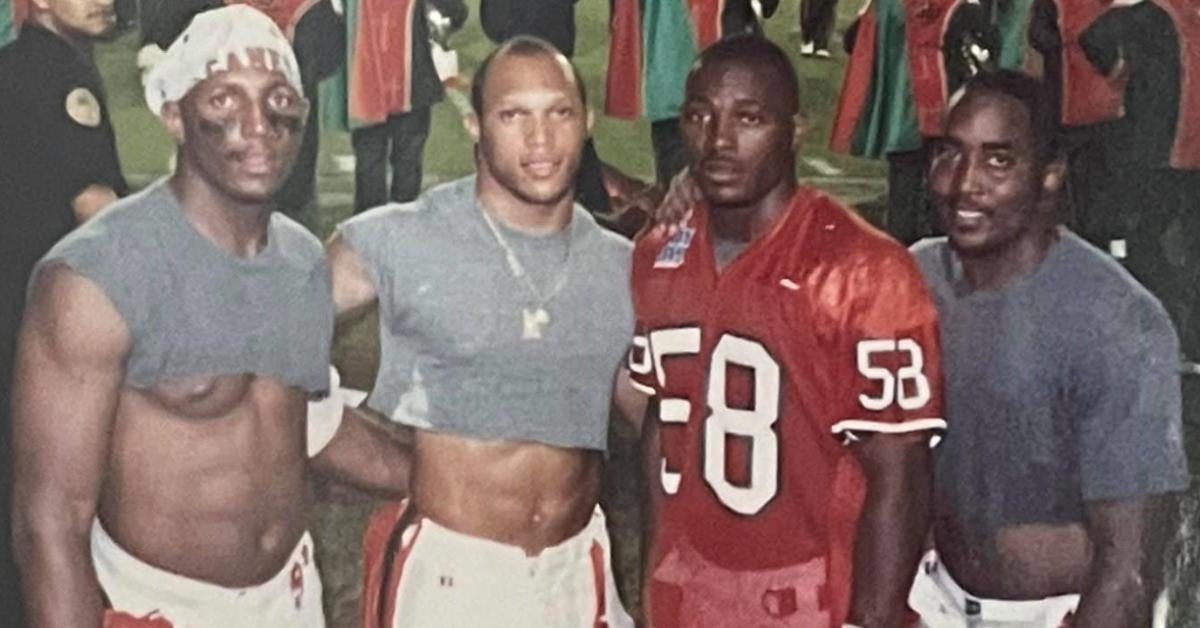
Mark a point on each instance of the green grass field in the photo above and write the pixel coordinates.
(341, 512)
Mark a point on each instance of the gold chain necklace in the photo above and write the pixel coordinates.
(534, 317)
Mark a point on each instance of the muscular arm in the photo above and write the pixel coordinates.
(69, 369)
(91, 200)
(367, 455)
(362, 452)
(891, 530)
(1127, 537)
(353, 286)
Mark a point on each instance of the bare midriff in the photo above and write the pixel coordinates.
(207, 477)
(520, 493)
(1023, 562)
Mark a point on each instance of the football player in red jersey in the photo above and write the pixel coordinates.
(792, 354)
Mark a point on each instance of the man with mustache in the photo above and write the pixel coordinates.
(1061, 384)
(792, 354)
(169, 348)
(499, 343)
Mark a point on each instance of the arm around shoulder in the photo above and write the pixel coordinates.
(353, 284)
(367, 455)
(91, 200)
(68, 376)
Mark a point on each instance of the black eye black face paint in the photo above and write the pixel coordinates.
(216, 127)
(281, 121)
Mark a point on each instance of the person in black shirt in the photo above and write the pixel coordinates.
(1053, 36)
(1143, 200)
(58, 167)
(1142, 36)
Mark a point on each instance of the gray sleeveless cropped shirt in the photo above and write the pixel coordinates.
(193, 309)
(453, 358)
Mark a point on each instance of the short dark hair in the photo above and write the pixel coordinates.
(1033, 94)
(521, 46)
(755, 51)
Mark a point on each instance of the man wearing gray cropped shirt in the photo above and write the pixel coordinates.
(499, 345)
(164, 364)
(1061, 383)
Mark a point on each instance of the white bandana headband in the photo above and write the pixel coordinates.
(235, 35)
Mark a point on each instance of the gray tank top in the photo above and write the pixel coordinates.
(193, 309)
(452, 354)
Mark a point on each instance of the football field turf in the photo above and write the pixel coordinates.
(339, 517)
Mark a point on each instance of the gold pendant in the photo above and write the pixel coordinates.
(533, 321)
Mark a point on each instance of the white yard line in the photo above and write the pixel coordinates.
(824, 168)
(344, 163)
(845, 180)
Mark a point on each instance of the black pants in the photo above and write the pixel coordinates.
(320, 46)
(1161, 227)
(909, 215)
(1086, 188)
(148, 19)
(399, 141)
(127, 12)
(589, 182)
(11, 308)
(816, 21)
(670, 152)
(1189, 265)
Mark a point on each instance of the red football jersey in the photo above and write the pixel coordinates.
(763, 370)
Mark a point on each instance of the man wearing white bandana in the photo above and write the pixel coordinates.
(499, 343)
(169, 348)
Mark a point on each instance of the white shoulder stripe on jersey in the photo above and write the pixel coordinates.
(847, 428)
